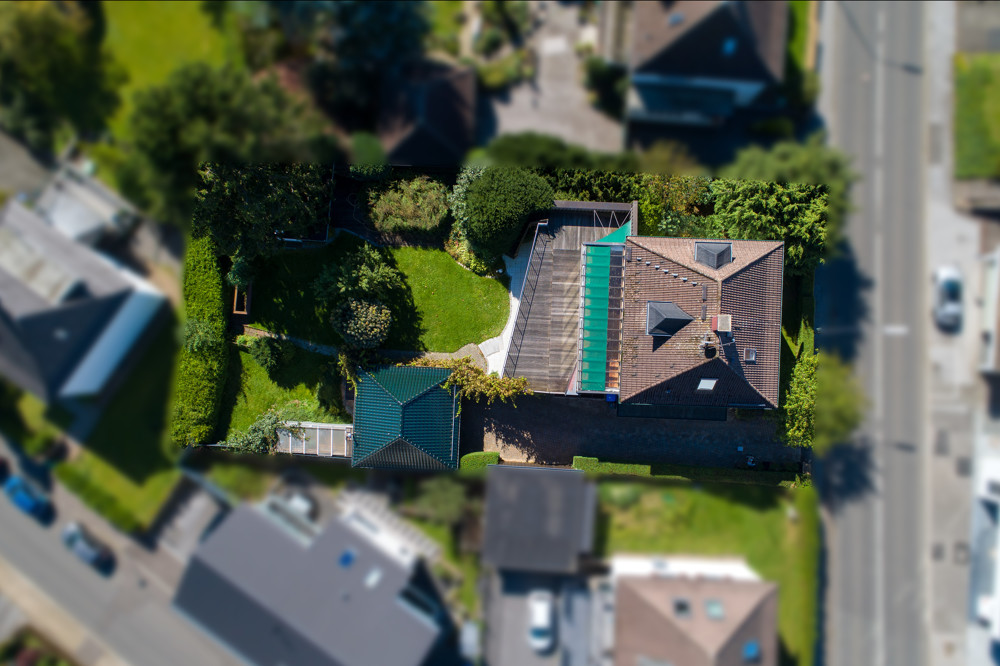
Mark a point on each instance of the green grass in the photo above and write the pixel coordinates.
(251, 391)
(745, 521)
(467, 564)
(28, 421)
(151, 39)
(667, 472)
(242, 481)
(443, 308)
(454, 306)
(977, 105)
(129, 454)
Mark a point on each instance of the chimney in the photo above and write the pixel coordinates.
(722, 323)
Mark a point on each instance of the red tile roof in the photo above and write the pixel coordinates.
(662, 370)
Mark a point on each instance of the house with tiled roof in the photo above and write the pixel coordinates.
(659, 325)
(404, 418)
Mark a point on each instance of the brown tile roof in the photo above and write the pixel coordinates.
(685, 38)
(659, 370)
(646, 624)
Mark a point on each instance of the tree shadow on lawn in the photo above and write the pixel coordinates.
(230, 394)
(407, 324)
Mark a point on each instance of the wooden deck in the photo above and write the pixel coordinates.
(544, 345)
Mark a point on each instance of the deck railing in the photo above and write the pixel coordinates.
(531, 275)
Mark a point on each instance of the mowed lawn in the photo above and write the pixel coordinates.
(455, 306)
(443, 306)
(151, 39)
(251, 391)
(129, 454)
(748, 521)
(977, 107)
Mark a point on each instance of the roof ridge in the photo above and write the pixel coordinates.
(641, 592)
(679, 263)
(428, 389)
(754, 262)
(750, 613)
(384, 389)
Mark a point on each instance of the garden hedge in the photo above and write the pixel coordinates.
(478, 460)
(201, 375)
(104, 503)
(685, 473)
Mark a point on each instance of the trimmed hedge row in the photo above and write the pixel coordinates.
(687, 473)
(201, 375)
(478, 460)
(97, 499)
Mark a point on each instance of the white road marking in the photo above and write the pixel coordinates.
(896, 329)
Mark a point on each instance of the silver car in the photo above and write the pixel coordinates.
(948, 298)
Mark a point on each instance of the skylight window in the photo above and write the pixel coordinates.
(713, 609)
(729, 46)
(682, 607)
(347, 558)
(707, 384)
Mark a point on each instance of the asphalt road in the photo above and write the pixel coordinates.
(129, 612)
(871, 102)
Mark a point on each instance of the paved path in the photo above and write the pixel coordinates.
(469, 350)
(556, 103)
(550, 429)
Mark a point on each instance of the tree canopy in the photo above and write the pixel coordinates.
(811, 162)
(53, 70)
(794, 213)
(248, 208)
(840, 402)
(202, 114)
(800, 402)
(498, 204)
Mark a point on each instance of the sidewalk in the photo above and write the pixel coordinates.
(954, 389)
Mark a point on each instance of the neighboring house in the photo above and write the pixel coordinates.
(83, 209)
(428, 115)
(68, 315)
(984, 577)
(665, 326)
(695, 63)
(279, 592)
(692, 611)
(405, 419)
(538, 520)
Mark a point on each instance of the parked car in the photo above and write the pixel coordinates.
(85, 545)
(541, 620)
(28, 497)
(948, 298)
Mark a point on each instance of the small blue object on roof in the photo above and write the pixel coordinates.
(347, 558)
(611, 397)
(729, 46)
(751, 651)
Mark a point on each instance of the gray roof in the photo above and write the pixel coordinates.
(56, 296)
(538, 519)
(276, 600)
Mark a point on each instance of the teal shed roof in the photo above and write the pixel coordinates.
(405, 419)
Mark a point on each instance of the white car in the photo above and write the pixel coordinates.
(541, 620)
(948, 298)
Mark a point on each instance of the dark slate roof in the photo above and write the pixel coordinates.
(405, 419)
(665, 318)
(275, 600)
(713, 255)
(666, 371)
(428, 115)
(42, 341)
(538, 519)
(688, 38)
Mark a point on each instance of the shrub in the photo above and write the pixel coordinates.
(409, 204)
(241, 274)
(364, 273)
(362, 323)
(368, 159)
(261, 437)
(608, 83)
(500, 202)
(201, 375)
(593, 466)
(441, 499)
(489, 41)
(269, 353)
(199, 336)
(97, 499)
(478, 460)
(621, 496)
(800, 402)
(499, 74)
(475, 384)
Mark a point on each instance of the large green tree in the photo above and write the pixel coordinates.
(812, 162)
(793, 212)
(500, 202)
(203, 114)
(53, 70)
(247, 208)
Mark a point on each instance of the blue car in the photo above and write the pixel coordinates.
(27, 497)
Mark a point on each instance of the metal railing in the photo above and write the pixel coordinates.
(521, 322)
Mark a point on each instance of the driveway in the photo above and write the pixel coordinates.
(556, 102)
(551, 429)
(507, 620)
